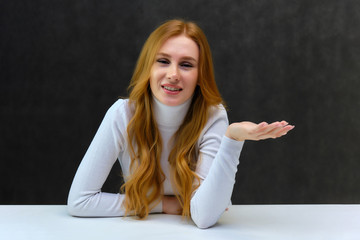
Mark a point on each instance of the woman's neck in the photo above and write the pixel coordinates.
(170, 116)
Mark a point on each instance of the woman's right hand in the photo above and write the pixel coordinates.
(171, 205)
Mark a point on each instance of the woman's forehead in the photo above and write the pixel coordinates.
(180, 45)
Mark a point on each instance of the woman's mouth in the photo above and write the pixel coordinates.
(173, 89)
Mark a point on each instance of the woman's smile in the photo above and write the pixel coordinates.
(170, 89)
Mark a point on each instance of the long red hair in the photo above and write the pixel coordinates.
(143, 187)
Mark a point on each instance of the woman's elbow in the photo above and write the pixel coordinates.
(75, 207)
(202, 219)
(203, 223)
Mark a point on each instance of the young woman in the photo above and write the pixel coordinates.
(177, 152)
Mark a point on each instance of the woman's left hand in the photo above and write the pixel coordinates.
(242, 131)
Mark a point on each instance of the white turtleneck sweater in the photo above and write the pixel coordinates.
(216, 167)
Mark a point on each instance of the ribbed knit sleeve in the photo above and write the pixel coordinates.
(85, 197)
(217, 167)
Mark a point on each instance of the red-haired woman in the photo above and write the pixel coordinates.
(177, 152)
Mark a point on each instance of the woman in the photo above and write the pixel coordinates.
(177, 152)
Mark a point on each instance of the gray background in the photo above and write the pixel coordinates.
(63, 63)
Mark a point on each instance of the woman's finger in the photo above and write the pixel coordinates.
(268, 129)
(260, 127)
(276, 132)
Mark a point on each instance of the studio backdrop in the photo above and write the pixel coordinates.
(64, 63)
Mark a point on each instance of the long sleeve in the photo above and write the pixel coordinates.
(85, 197)
(219, 157)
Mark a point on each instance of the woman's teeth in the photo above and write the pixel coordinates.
(171, 88)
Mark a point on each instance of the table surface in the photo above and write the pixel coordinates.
(340, 222)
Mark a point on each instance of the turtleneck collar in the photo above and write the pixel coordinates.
(170, 116)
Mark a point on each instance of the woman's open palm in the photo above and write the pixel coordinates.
(242, 131)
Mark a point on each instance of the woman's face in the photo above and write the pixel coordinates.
(174, 74)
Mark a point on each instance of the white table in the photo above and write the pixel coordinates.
(243, 222)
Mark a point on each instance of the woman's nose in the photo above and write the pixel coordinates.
(173, 73)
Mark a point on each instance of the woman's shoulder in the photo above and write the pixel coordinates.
(120, 103)
(217, 116)
(217, 112)
(216, 124)
(120, 107)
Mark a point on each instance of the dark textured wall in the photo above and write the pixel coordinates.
(63, 63)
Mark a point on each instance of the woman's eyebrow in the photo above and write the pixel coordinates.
(184, 58)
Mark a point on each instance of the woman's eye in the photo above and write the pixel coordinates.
(163, 61)
(186, 65)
